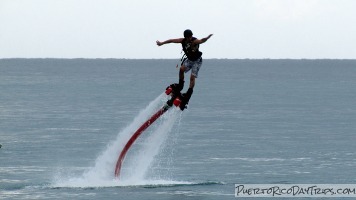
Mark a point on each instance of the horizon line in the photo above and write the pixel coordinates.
(82, 58)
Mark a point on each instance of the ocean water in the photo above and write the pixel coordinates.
(63, 123)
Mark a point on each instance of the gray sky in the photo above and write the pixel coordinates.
(130, 28)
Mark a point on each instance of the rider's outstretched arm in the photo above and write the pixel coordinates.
(178, 40)
(199, 41)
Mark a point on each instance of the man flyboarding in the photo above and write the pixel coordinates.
(191, 61)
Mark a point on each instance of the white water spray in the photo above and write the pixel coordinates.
(140, 163)
(134, 169)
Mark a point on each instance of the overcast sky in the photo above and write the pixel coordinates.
(130, 28)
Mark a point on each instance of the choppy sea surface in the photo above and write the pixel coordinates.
(63, 123)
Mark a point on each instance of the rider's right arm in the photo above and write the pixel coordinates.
(178, 40)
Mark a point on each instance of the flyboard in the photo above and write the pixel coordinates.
(175, 100)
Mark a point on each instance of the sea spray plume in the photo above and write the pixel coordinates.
(139, 164)
(101, 174)
(105, 163)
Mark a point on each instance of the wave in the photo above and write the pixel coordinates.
(142, 184)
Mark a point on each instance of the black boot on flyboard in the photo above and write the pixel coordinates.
(185, 99)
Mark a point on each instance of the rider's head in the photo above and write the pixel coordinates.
(188, 33)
